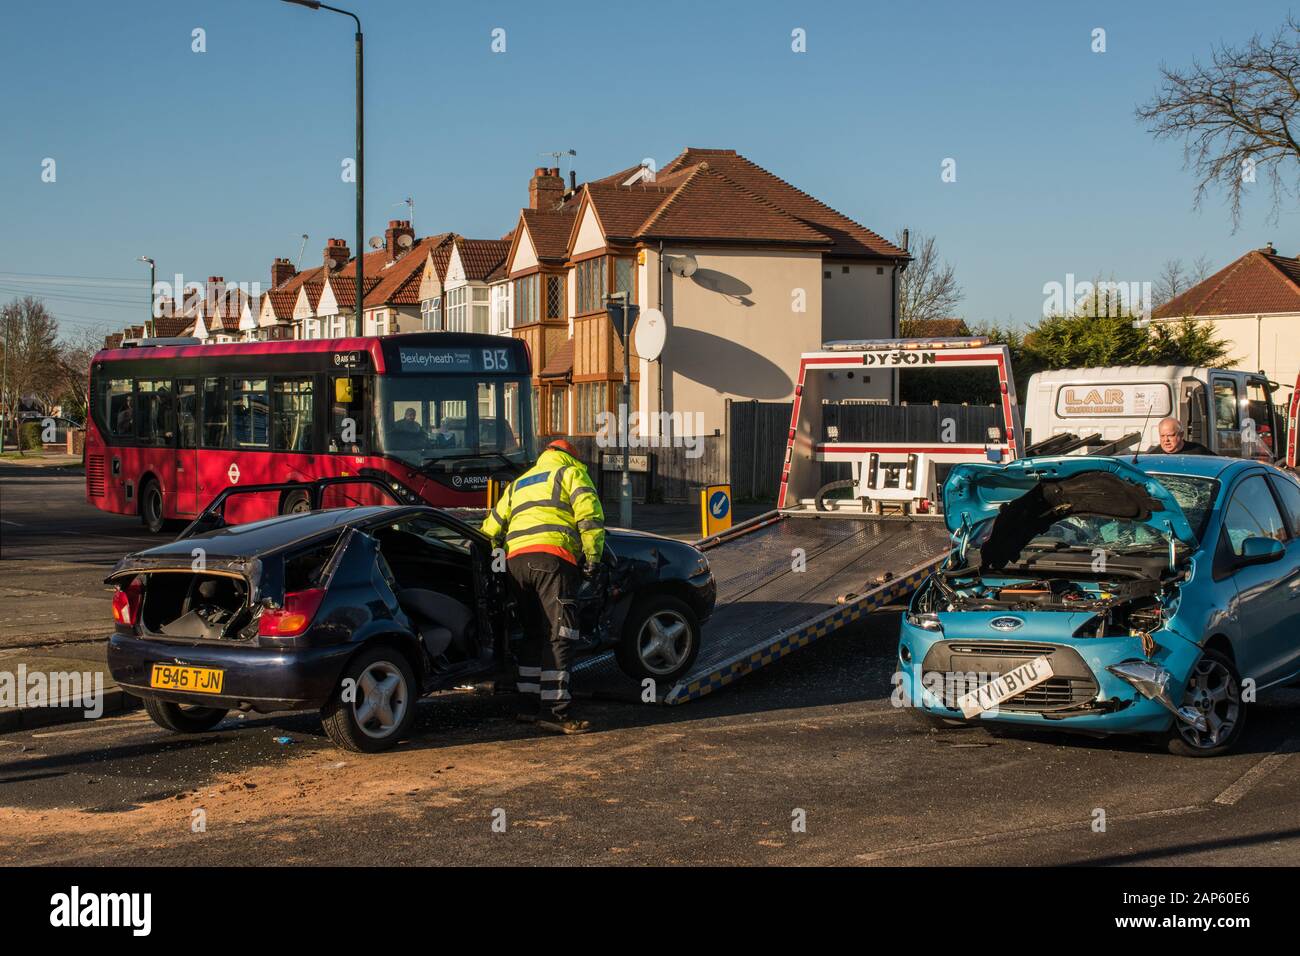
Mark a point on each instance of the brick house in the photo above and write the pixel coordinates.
(748, 270)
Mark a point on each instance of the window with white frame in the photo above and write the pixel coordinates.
(458, 309)
(482, 308)
(431, 314)
(501, 318)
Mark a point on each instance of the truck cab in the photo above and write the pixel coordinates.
(1229, 411)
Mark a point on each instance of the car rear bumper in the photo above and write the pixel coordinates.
(265, 679)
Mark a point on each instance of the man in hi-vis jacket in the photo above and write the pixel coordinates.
(554, 532)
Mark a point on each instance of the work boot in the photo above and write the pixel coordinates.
(562, 725)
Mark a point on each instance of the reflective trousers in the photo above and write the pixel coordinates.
(545, 587)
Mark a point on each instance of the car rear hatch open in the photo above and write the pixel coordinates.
(204, 598)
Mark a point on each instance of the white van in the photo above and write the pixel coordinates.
(1118, 410)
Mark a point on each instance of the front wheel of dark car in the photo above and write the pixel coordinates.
(661, 640)
(1214, 692)
(184, 718)
(374, 705)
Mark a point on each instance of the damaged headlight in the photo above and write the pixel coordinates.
(926, 621)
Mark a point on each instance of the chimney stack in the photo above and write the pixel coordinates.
(1268, 250)
(336, 254)
(546, 188)
(282, 271)
(397, 228)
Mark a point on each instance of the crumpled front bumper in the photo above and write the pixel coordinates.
(1117, 707)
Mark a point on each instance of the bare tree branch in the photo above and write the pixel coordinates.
(1236, 117)
(927, 288)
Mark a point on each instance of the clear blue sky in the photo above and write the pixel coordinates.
(215, 162)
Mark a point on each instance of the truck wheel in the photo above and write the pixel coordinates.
(1214, 689)
(295, 503)
(183, 718)
(151, 507)
(661, 639)
(383, 691)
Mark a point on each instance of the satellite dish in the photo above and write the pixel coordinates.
(405, 241)
(376, 242)
(683, 266)
(649, 334)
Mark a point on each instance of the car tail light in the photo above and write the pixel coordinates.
(126, 602)
(292, 619)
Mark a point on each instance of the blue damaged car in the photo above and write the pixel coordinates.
(1148, 595)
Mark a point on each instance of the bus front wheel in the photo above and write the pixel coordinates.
(295, 502)
(151, 508)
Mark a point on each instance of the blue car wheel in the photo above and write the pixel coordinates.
(1214, 691)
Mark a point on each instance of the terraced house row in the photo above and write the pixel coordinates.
(748, 270)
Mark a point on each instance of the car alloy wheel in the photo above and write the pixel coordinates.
(381, 700)
(664, 641)
(1213, 692)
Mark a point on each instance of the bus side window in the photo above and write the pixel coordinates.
(347, 421)
(154, 412)
(216, 414)
(119, 408)
(292, 415)
(187, 413)
(249, 411)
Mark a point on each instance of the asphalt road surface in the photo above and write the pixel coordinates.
(805, 762)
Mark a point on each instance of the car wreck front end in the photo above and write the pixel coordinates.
(1064, 601)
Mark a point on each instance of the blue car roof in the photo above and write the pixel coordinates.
(1197, 466)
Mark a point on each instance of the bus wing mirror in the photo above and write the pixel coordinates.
(343, 391)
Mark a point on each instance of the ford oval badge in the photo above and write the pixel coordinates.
(1006, 623)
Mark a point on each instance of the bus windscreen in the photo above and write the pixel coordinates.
(424, 419)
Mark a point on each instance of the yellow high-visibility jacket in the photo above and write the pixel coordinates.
(554, 508)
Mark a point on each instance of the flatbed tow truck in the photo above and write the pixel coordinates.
(814, 564)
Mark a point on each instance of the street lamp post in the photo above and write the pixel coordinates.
(149, 324)
(623, 314)
(361, 165)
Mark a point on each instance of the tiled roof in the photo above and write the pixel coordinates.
(169, 326)
(313, 288)
(549, 231)
(560, 362)
(480, 257)
(344, 286)
(399, 282)
(1259, 282)
(441, 259)
(709, 205)
(623, 209)
(848, 237)
(113, 341)
(284, 295)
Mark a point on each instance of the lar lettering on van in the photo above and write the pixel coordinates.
(1129, 400)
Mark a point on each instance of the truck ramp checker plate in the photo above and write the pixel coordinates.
(779, 579)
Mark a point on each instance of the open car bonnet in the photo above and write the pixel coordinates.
(1035, 492)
